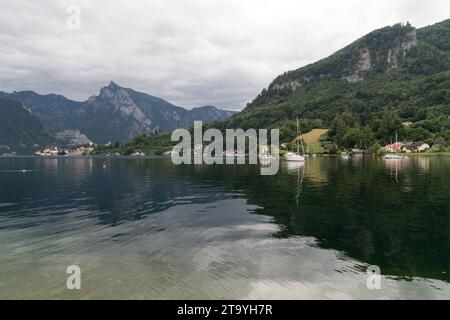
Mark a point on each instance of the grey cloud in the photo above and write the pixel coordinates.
(190, 52)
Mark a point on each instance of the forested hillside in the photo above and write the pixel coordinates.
(20, 131)
(365, 91)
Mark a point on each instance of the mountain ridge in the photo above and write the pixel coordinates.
(115, 114)
(364, 91)
(20, 130)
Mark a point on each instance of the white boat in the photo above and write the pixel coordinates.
(291, 156)
(297, 157)
(393, 157)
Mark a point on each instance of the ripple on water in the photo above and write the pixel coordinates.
(148, 230)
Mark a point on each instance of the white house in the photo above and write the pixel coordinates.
(395, 147)
(423, 147)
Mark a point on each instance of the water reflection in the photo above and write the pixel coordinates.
(143, 228)
(298, 169)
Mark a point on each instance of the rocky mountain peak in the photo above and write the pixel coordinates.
(114, 114)
(113, 85)
(109, 91)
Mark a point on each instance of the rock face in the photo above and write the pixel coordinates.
(363, 65)
(72, 137)
(380, 51)
(393, 70)
(115, 114)
(397, 54)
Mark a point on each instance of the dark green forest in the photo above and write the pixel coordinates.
(372, 110)
(20, 131)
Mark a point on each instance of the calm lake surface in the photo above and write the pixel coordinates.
(144, 228)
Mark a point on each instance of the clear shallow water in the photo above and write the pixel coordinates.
(144, 228)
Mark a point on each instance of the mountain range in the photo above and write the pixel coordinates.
(115, 114)
(393, 80)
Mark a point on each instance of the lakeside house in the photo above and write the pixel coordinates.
(356, 151)
(423, 147)
(328, 145)
(49, 150)
(393, 147)
(81, 150)
(407, 147)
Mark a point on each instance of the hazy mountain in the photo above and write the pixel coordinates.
(20, 130)
(115, 114)
(365, 90)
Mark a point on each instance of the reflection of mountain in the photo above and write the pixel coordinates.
(356, 209)
(148, 187)
(313, 170)
(360, 210)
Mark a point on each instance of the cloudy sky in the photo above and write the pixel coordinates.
(189, 52)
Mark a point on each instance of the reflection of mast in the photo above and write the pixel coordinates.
(393, 173)
(299, 184)
(396, 171)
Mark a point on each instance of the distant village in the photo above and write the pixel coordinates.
(408, 147)
(52, 150)
(328, 147)
(75, 151)
(400, 147)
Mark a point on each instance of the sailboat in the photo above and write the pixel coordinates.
(394, 156)
(297, 157)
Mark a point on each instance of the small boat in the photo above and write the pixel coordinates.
(291, 156)
(297, 157)
(393, 157)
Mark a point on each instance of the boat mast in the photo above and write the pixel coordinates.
(396, 142)
(299, 136)
(298, 151)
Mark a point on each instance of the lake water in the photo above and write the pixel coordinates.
(144, 228)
